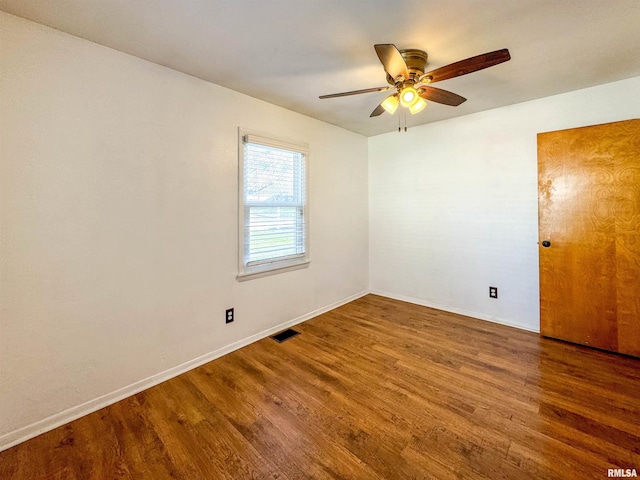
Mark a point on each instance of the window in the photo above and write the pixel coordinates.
(273, 206)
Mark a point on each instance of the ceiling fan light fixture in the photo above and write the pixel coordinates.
(418, 106)
(405, 69)
(409, 96)
(390, 104)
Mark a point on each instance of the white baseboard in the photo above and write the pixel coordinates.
(15, 437)
(459, 311)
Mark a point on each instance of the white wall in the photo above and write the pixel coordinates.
(453, 205)
(118, 225)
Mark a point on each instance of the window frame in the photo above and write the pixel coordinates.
(283, 264)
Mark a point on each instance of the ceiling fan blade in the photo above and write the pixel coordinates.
(379, 110)
(357, 92)
(469, 65)
(440, 96)
(392, 61)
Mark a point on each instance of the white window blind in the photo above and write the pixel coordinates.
(273, 203)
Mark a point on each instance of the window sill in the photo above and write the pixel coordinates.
(266, 270)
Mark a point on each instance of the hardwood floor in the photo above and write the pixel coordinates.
(376, 389)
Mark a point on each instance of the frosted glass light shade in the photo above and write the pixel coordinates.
(408, 96)
(418, 106)
(390, 104)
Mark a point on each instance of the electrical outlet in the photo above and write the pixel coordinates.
(493, 292)
(228, 315)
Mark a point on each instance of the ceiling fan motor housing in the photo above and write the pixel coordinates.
(416, 61)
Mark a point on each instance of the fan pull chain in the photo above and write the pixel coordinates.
(402, 115)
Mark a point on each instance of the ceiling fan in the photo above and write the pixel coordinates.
(407, 77)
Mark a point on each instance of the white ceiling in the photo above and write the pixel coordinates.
(288, 52)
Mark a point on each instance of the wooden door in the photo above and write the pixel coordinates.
(589, 212)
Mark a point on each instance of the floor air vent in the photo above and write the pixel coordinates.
(285, 335)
